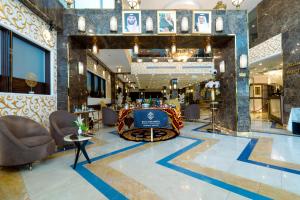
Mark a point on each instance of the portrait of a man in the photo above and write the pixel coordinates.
(132, 22)
(202, 22)
(166, 22)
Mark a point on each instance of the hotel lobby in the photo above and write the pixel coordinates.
(139, 99)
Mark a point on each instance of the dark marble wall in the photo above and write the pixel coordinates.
(226, 114)
(51, 11)
(235, 23)
(276, 16)
(291, 70)
(77, 82)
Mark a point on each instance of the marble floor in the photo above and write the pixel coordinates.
(195, 165)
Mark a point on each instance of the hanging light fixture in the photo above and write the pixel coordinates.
(134, 4)
(220, 6)
(237, 3)
(136, 49)
(95, 49)
(173, 49)
(69, 3)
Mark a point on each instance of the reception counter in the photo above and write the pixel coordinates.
(150, 125)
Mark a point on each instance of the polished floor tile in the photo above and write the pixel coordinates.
(196, 165)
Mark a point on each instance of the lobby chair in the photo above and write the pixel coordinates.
(192, 112)
(109, 117)
(23, 141)
(61, 125)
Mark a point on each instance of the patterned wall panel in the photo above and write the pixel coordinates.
(19, 19)
(36, 107)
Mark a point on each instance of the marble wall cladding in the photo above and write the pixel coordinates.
(226, 115)
(62, 72)
(291, 71)
(77, 82)
(275, 17)
(50, 11)
(235, 23)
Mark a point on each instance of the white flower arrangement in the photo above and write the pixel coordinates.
(212, 84)
(81, 125)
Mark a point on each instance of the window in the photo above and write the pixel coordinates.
(26, 69)
(96, 85)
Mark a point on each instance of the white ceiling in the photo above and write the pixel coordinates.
(114, 58)
(194, 4)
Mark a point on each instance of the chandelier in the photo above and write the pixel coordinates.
(134, 4)
(184, 54)
(237, 3)
(69, 3)
(220, 6)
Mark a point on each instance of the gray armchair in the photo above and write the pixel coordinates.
(61, 125)
(23, 141)
(109, 117)
(192, 112)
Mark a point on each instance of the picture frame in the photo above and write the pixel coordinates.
(202, 22)
(131, 22)
(257, 91)
(166, 22)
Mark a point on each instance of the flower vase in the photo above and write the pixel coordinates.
(79, 132)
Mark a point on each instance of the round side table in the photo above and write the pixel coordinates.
(80, 143)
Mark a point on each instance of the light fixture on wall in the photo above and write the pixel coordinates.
(208, 48)
(149, 24)
(243, 61)
(103, 73)
(219, 24)
(237, 3)
(95, 49)
(136, 49)
(173, 49)
(139, 60)
(81, 24)
(69, 3)
(80, 68)
(155, 60)
(184, 24)
(134, 4)
(222, 66)
(119, 70)
(113, 24)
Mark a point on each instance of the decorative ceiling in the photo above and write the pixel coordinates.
(194, 4)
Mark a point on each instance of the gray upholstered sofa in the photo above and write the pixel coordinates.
(23, 141)
(61, 125)
(109, 117)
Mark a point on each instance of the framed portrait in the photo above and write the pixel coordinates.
(257, 91)
(166, 22)
(132, 23)
(202, 22)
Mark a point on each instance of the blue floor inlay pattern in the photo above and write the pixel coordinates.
(97, 182)
(166, 162)
(244, 156)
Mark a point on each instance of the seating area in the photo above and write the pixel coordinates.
(149, 99)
